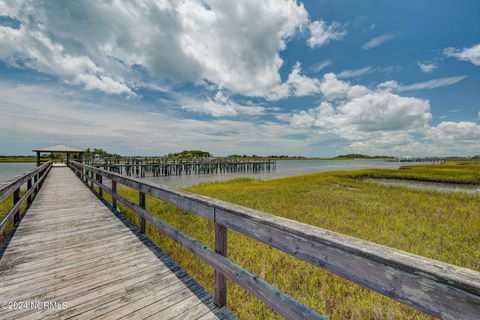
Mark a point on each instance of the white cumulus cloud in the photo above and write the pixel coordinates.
(471, 54)
(321, 33)
(102, 45)
(296, 84)
(427, 67)
(382, 121)
(372, 112)
(369, 119)
(458, 137)
(221, 105)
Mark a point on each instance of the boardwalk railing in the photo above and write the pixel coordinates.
(34, 180)
(439, 289)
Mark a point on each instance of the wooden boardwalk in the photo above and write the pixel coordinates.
(73, 253)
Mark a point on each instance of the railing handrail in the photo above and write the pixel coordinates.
(437, 288)
(13, 186)
(13, 183)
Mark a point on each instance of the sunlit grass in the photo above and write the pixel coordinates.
(442, 226)
(18, 159)
(457, 171)
(5, 207)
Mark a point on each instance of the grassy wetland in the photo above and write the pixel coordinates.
(438, 225)
(9, 159)
(5, 206)
(467, 172)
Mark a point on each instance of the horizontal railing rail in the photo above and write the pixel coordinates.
(436, 288)
(34, 180)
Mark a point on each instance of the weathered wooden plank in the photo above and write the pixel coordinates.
(32, 264)
(197, 310)
(221, 234)
(41, 278)
(170, 311)
(438, 288)
(276, 299)
(114, 190)
(64, 250)
(102, 296)
(142, 204)
(425, 285)
(26, 290)
(160, 298)
(29, 186)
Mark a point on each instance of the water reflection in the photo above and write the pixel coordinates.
(284, 168)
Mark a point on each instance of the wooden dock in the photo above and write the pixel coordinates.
(73, 252)
(141, 168)
(75, 256)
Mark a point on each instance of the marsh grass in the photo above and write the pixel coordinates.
(17, 159)
(5, 206)
(455, 172)
(438, 225)
(442, 226)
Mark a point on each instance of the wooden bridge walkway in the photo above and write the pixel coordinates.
(73, 256)
(72, 252)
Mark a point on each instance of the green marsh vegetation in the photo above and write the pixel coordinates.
(442, 226)
(5, 206)
(17, 159)
(438, 225)
(467, 171)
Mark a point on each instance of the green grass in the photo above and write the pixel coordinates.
(5, 206)
(455, 172)
(17, 159)
(442, 226)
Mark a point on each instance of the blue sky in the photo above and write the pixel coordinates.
(314, 78)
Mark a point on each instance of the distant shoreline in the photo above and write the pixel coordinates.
(17, 159)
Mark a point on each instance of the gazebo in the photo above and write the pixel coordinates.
(58, 149)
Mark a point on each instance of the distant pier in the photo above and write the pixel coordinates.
(426, 159)
(147, 167)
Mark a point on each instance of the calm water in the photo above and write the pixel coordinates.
(8, 170)
(425, 185)
(284, 168)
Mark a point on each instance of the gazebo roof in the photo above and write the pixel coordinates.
(59, 148)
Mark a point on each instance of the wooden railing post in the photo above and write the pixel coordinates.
(221, 235)
(35, 179)
(91, 179)
(29, 186)
(16, 198)
(100, 190)
(114, 192)
(141, 203)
